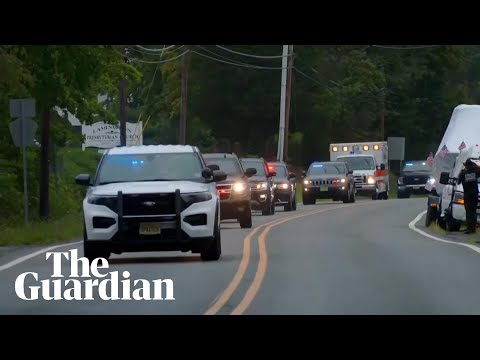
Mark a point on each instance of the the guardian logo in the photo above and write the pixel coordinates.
(90, 284)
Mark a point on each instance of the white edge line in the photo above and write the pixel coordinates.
(414, 228)
(36, 253)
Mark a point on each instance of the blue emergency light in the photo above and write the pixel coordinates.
(318, 165)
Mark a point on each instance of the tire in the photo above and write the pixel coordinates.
(385, 196)
(307, 200)
(93, 250)
(214, 251)
(429, 216)
(353, 197)
(347, 199)
(451, 224)
(245, 219)
(269, 210)
(289, 206)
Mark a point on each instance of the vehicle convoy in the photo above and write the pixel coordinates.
(328, 180)
(461, 141)
(261, 185)
(152, 198)
(365, 158)
(413, 178)
(234, 192)
(285, 186)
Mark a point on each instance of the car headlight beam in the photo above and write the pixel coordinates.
(239, 187)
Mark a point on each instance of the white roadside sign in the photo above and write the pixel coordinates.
(105, 136)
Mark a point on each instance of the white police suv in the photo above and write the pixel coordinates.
(152, 198)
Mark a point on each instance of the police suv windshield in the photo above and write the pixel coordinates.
(258, 165)
(327, 169)
(229, 165)
(417, 166)
(281, 171)
(149, 167)
(359, 162)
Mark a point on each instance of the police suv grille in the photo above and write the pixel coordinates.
(148, 204)
(322, 182)
(415, 180)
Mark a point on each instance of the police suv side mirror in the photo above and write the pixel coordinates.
(207, 173)
(213, 167)
(291, 175)
(444, 178)
(219, 175)
(250, 172)
(304, 173)
(83, 179)
(349, 172)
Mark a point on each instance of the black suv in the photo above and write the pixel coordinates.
(261, 185)
(328, 180)
(285, 186)
(234, 192)
(413, 178)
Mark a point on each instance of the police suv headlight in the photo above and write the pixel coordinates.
(307, 182)
(262, 186)
(193, 198)
(431, 181)
(400, 181)
(458, 198)
(108, 201)
(239, 187)
(371, 180)
(342, 181)
(284, 186)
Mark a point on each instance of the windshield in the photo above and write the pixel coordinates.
(230, 166)
(327, 169)
(417, 166)
(359, 162)
(280, 170)
(259, 166)
(150, 167)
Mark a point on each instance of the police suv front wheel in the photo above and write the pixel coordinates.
(213, 252)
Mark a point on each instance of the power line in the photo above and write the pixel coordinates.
(405, 47)
(155, 50)
(223, 57)
(252, 55)
(154, 54)
(160, 62)
(237, 63)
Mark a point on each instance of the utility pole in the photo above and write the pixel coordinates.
(123, 104)
(281, 135)
(182, 126)
(289, 97)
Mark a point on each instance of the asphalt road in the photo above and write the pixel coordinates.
(330, 258)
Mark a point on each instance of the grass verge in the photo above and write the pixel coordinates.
(54, 231)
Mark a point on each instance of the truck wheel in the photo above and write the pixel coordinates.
(288, 206)
(451, 224)
(213, 252)
(429, 216)
(93, 250)
(307, 200)
(246, 219)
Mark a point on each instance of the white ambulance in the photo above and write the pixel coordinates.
(364, 158)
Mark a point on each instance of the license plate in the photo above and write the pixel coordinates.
(323, 188)
(150, 228)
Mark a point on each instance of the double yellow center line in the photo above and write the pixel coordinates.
(261, 268)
